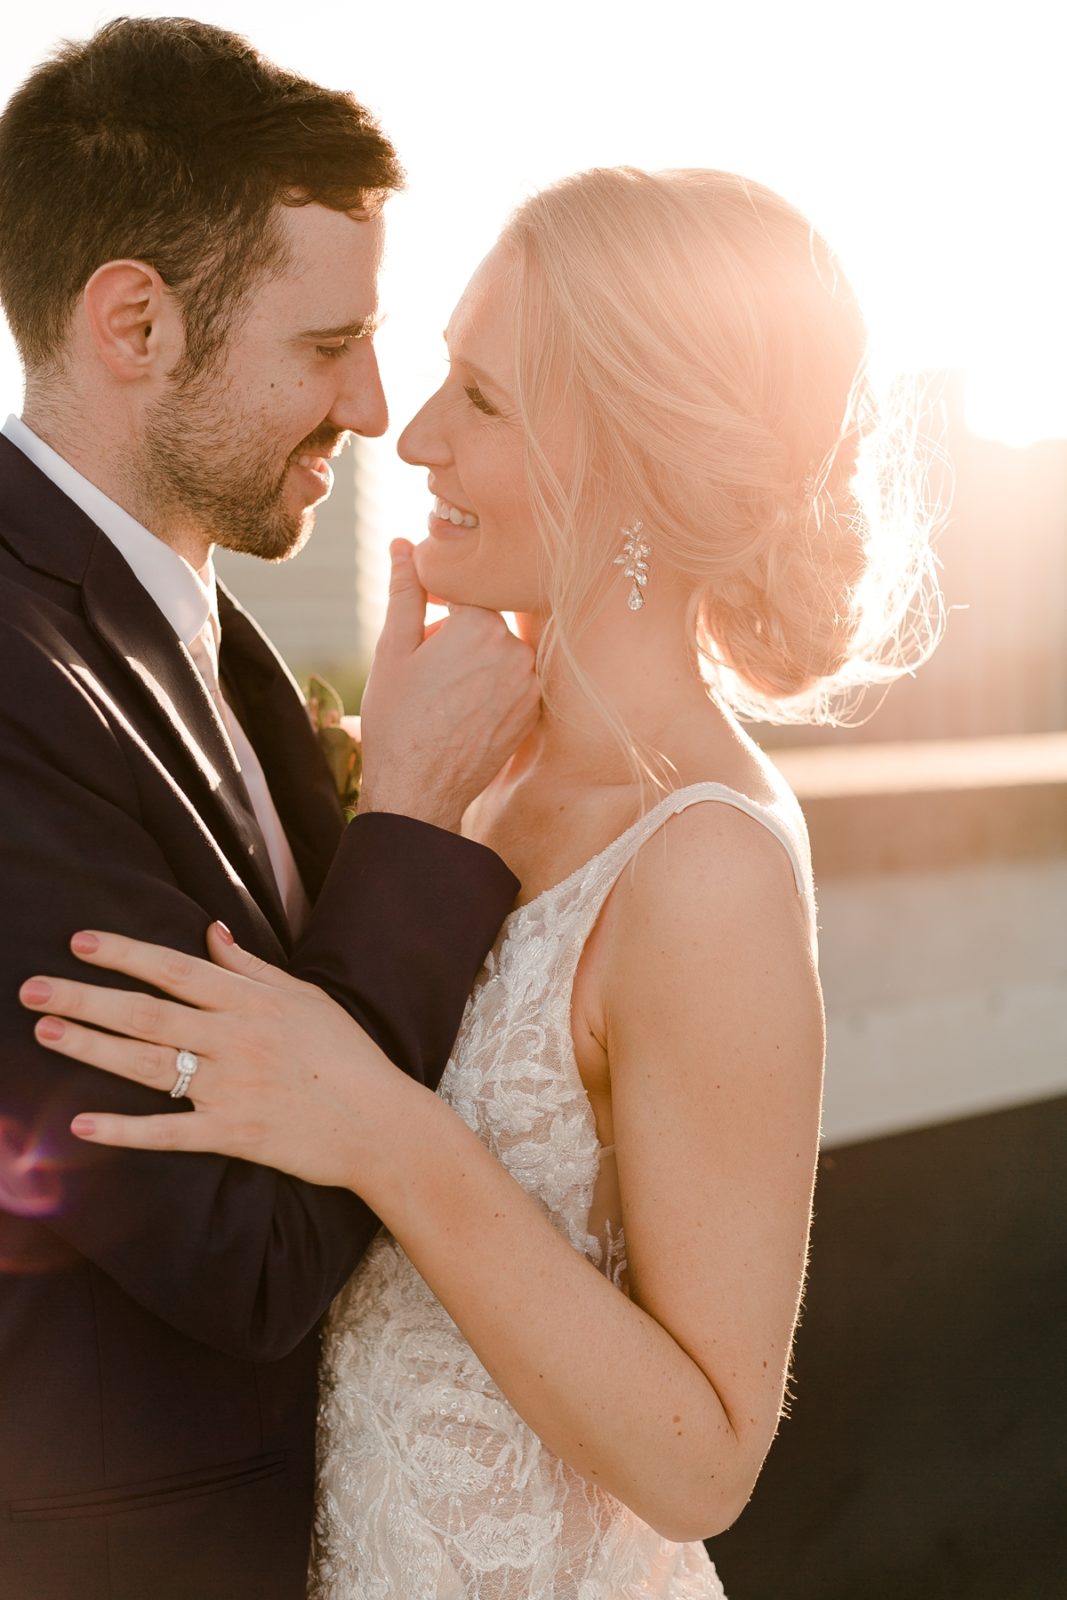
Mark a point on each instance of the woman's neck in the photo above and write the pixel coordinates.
(640, 668)
(571, 787)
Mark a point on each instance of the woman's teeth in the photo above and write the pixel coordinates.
(447, 513)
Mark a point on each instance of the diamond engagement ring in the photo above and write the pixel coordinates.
(186, 1064)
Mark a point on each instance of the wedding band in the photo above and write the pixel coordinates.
(186, 1064)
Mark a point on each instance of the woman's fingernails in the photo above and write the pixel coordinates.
(50, 1028)
(85, 944)
(84, 1127)
(224, 933)
(36, 992)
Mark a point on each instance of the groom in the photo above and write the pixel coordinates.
(189, 242)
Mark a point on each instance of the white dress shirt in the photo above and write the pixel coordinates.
(189, 602)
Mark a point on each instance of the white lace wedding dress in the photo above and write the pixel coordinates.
(431, 1487)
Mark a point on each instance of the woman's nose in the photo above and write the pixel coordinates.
(422, 443)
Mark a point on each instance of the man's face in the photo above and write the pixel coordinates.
(240, 451)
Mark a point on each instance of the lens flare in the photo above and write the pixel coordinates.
(30, 1183)
(31, 1189)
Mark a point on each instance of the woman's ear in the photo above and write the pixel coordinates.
(130, 316)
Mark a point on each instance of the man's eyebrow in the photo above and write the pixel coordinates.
(347, 330)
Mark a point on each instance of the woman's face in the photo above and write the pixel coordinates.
(483, 544)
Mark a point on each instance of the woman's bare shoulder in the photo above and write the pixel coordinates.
(713, 899)
(715, 857)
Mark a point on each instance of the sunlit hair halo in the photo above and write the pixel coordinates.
(713, 358)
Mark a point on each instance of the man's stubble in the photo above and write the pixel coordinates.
(210, 465)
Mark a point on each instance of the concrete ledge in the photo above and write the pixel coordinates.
(946, 994)
(930, 804)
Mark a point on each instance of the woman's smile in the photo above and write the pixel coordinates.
(447, 521)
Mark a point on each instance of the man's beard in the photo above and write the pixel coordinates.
(193, 471)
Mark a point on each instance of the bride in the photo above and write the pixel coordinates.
(562, 1363)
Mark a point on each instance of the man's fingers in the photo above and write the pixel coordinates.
(402, 630)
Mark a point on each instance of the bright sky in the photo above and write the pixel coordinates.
(925, 140)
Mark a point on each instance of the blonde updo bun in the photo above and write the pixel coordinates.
(713, 357)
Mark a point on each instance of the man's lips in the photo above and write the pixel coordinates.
(314, 456)
(325, 448)
(317, 472)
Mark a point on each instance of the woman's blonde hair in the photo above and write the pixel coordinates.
(713, 361)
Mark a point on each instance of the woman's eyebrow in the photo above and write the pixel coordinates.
(474, 370)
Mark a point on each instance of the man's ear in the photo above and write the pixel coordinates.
(132, 320)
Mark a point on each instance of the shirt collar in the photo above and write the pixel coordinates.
(187, 598)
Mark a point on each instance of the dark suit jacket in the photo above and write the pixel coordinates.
(158, 1313)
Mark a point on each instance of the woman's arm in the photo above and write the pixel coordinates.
(670, 1399)
(714, 1036)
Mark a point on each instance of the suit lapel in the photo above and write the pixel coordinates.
(50, 534)
(128, 622)
(271, 710)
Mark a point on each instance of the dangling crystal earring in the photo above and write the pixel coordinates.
(634, 563)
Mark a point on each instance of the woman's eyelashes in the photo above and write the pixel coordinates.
(477, 399)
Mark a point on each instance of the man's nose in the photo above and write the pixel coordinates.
(361, 406)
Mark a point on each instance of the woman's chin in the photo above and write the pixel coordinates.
(423, 562)
(440, 588)
(449, 581)
(444, 580)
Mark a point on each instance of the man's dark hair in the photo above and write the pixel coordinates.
(171, 142)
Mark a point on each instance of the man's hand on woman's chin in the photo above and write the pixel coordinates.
(444, 707)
